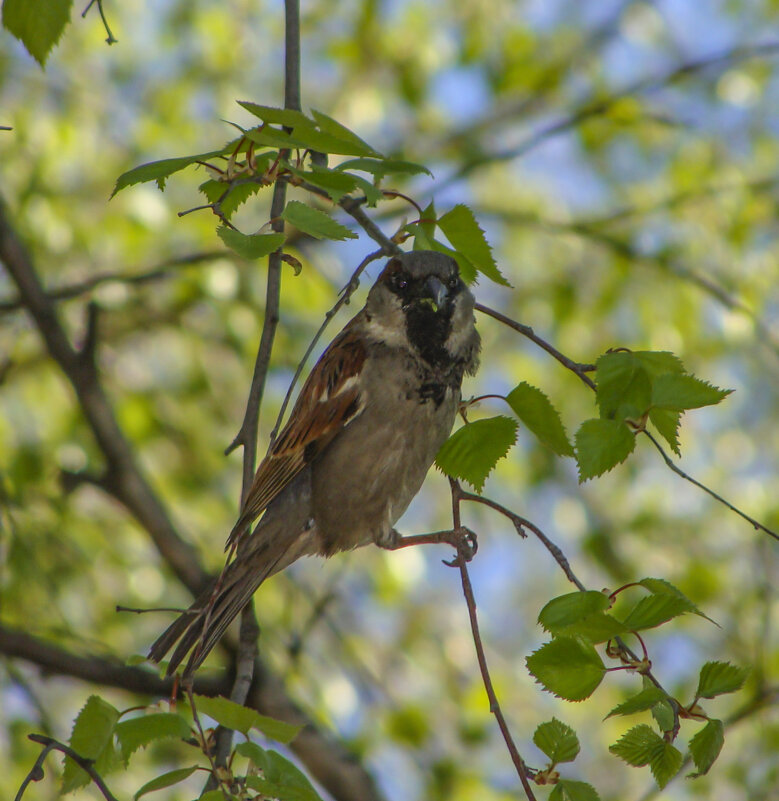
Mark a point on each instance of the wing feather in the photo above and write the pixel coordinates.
(329, 401)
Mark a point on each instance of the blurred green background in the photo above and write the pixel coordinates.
(626, 175)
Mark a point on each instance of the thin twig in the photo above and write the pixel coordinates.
(687, 477)
(344, 777)
(110, 38)
(520, 523)
(50, 744)
(580, 369)
(596, 107)
(207, 749)
(247, 436)
(159, 272)
(461, 562)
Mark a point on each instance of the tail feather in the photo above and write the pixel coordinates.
(198, 630)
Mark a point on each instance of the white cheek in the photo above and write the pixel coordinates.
(392, 335)
(462, 332)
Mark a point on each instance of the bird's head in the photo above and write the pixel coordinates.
(420, 301)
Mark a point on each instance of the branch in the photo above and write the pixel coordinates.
(687, 477)
(247, 436)
(127, 482)
(327, 760)
(87, 765)
(580, 370)
(462, 562)
(110, 39)
(593, 108)
(520, 523)
(156, 273)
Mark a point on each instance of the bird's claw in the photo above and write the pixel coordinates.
(465, 542)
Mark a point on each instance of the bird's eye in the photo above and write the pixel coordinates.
(454, 281)
(400, 280)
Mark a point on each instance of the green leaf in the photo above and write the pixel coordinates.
(237, 195)
(646, 699)
(38, 24)
(282, 780)
(276, 116)
(601, 445)
(667, 424)
(473, 450)
(534, 409)
(679, 392)
(277, 730)
(652, 610)
(240, 718)
(638, 746)
(91, 737)
(596, 628)
(166, 780)
(225, 712)
(253, 752)
(642, 746)
(251, 246)
(314, 222)
(665, 764)
(266, 136)
(336, 184)
(568, 667)
(334, 128)
(570, 790)
(657, 362)
(623, 388)
(424, 240)
(663, 713)
(139, 732)
(706, 745)
(558, 741)
(381, 167)
(719, 678)
(461, 229)
(159, 170)
(571, 608)
(658, 586)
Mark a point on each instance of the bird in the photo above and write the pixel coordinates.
(364, 431)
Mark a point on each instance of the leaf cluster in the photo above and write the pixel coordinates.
(570, 667)
(101, 736)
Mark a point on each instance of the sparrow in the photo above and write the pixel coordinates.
(364, 431)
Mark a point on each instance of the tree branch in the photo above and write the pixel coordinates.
(247, 436)
(595, 107)
(87, 765)
(127, 481)
(156, 273)
(462, 563)
(327, 760)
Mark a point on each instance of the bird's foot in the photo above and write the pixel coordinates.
(462, 539)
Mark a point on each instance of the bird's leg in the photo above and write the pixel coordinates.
(462, 539)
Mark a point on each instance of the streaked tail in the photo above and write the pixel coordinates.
(200, 628)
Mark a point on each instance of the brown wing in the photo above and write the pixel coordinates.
(329, 400)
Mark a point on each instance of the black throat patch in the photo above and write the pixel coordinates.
(428, 331)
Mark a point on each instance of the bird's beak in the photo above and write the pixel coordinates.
(437, 291)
